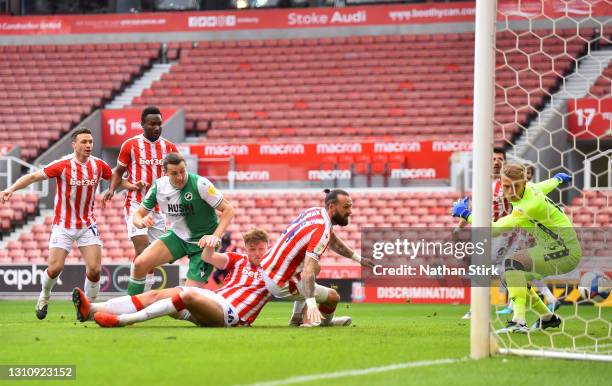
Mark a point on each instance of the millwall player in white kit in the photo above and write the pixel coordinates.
(142, 157)
(77, 177)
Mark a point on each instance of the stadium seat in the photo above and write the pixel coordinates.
(72, 78)
(396, 76)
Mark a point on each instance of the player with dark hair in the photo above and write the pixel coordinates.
(77, 176)
(191, 203)
(141, 157)
(294, 258)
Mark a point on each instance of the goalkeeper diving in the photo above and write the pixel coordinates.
(557, 250)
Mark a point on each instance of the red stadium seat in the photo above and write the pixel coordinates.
(67, 82)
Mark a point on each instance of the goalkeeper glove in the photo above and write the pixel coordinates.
(563, 178)
(461, 209)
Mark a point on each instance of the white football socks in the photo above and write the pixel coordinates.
(92, 288)
(543, 288)
(47, 285)
(117, 306)
(149, 281)
(160, 308)
(298, 310)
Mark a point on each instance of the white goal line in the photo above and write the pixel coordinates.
(557, 354)
(355, 372)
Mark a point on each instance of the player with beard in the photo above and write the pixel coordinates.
(295, 257)
(142, 157)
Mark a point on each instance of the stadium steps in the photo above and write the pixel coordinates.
(27, 227)
(577, 85)
(362, 87)
(602, 88)
(140, 84)
(45, 90)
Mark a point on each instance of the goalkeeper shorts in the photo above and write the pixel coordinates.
(557, 261)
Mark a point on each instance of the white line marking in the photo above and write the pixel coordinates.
(354, 373)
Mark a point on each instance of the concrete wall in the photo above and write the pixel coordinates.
(238, 35)
(257, 34)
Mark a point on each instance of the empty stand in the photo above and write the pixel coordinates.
(593, 210)
(46, 90)
(417, 86)
(602, 88)
(22, 207)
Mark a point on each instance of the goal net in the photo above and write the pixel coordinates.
(553, 111)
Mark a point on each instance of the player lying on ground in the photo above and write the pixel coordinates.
(557, 250)
(238, 302)
(294, 258)
(191, 203)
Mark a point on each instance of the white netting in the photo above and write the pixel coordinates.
(548, 55)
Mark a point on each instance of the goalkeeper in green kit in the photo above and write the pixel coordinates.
(191, 203)
(557, 250)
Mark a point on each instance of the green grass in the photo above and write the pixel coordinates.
(169, 352)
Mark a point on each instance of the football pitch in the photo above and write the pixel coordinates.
(428, 344)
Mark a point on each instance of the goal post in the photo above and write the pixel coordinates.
(539, 67)
(484, 108)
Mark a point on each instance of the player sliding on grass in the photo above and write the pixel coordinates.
(190, 202)
(557, 250)
(239, 301)
(297, 252)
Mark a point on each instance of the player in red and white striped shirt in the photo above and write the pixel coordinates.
(77, 177)
(501, 207)
(237, 302)
(295, 258)
(243, 285)
(142, 157)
